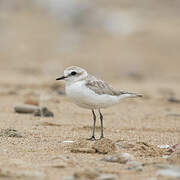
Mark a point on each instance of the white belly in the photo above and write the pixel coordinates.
(86, 98)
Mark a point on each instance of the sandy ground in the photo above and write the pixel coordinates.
(34, 50)
(42, 152)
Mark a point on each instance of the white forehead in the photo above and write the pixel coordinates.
(73, 68)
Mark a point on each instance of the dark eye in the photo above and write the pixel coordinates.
(73, 73)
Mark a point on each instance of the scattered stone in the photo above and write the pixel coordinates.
(164, 146)
(10, 133)
(121, 158)
(37, 112)
(174, 100)
(26, 108)
(86, 175)
(31, 102)
(104, 146)
(111, 158)
(175, 172)
(43, 112)
(173, 148)
(107, 177)
(83, 150)
(134, 165)
(175, 156)
(124, 145)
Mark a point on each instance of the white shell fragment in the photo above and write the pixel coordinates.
(68, 141)
(164, 146)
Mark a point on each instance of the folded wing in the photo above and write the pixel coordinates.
(100, 87)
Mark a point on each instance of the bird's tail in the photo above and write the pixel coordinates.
(135, 95)
(129, 95)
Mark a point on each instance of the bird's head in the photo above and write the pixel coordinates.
(73, 74)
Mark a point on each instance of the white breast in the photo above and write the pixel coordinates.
(86, 98)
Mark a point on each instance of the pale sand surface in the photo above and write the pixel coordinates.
(146, 120)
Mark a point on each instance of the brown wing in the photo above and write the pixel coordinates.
(100, 87)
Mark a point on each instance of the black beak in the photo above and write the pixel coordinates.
(63, 77)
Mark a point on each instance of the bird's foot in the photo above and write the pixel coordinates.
(92, 138)
(101, 137)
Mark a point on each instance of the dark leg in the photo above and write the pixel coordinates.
(93, 132)
(101, 118)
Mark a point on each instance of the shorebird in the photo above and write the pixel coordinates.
(91, 93)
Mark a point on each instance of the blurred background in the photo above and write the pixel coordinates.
(117, 39)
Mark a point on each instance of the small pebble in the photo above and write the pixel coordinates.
(174, 100)
(86, 174)
(68, 141)
(32, 102)
(107, 177)
(164, 146)
(173, 148)
(175, 156)
(134, 165)
(10, 133)
(43, 112)
(26, 108)
(119, 157)
(124, 145)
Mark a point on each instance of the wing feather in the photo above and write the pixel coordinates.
(100, 87)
